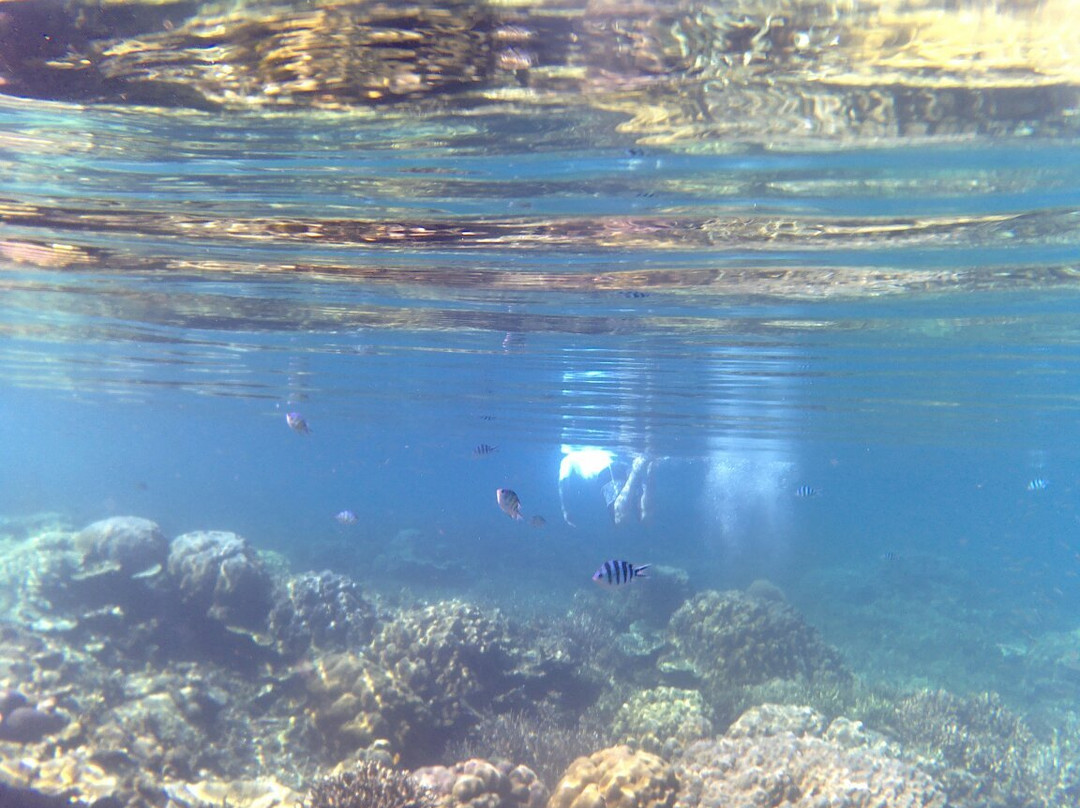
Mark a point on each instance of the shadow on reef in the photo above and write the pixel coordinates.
(141, 671)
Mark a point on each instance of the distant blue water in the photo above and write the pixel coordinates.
(153, 377)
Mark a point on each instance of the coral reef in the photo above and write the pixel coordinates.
(662, 719)
(120, 688)
(356, 703)
(617, 777)
(729, 643)
(370, 785)
(777, 757)
(131, 543)
(767, 720)
(218, 574)
(450, 655)
(416, 683)
(539, 738)
(55, 577)
(477, 783)
(320, 611)
(571, 656)
(983, 753)
(742, 640)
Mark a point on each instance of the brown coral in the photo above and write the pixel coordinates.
(616, 778)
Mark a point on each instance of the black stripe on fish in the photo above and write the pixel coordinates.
(615, 572)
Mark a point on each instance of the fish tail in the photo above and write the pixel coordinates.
(639, 572)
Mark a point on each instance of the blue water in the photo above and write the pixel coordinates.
(917, 369)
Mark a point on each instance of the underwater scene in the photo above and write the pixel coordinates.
(539, 404)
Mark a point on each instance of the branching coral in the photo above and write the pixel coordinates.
(538, 739)
(370, 785)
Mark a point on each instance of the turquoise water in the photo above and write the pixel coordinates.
(850, 364)
(919, 417)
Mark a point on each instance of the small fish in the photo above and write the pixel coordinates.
(538, 521)
(1038, 484)
(891, 556)
(484, 449)
(297, 423)
(346, 517)
(509, 503)
(806, 491)
(613, 573)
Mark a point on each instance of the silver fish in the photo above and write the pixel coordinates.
(614, 573)
(297, 423)
(346, 517)
(509, 503)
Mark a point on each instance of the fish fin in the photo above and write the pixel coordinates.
(639, 572)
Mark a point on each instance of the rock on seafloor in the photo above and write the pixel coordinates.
(132, 543)
(264, 792)
(29, 724)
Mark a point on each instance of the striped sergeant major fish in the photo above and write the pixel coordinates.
(613, 573)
